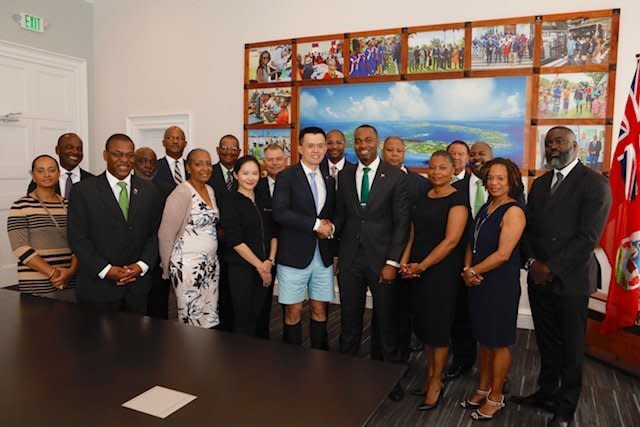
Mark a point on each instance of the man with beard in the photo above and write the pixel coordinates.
(172, 168)
(335, 161)
(69, 151)
(566, 213)
(463, 346)
(146, 168)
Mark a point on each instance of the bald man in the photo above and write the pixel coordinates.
(70, 154)
(172, 168)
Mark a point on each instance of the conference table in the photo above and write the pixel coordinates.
(63, 365)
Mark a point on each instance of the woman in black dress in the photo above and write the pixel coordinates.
(433, 258)
(250, 247)
(492, 273)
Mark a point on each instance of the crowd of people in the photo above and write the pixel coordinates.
(431, 57)
(497, 48)
(574, 99)
(441, 256)
(375, 56)
(317, 65)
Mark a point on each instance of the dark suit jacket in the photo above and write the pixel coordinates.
(262, 188)
(219, 184)
(99, 235)
(83, 175)
(564, 228)
(417, 186)
(324, 166)
(384, 225)
(295, 211)
(164, 172)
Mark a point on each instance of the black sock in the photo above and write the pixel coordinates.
(292, 334)
(318, 333)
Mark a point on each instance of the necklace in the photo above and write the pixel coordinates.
(478, 226)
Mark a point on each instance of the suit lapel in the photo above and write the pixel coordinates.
(134, 198)
(308, 194)
(566, 185)
(378, 184)
(108, 198)
(352, 188)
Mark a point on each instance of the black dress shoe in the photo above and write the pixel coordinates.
(397, 394)
(559, 421)
(454, 372)
(537, 400)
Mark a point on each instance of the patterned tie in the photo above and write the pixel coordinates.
(177, 173)
(479, 201)
(123, 199)
(229, 181)
(364, 188)
(334, 175)
(67, 186)
(314, 188)
(559, 178)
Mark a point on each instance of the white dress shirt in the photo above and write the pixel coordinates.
(272, 184)
(460, 176)
(322, 190)
(75, 177)
(115, 188)
(564, 171)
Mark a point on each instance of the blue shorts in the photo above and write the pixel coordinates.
(315, 279)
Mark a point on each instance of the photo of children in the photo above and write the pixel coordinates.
(576, 42)
(259, 139)
(320, 60)
(375, 56)
(270, 64)
(573, 95)
(502, 46)
(269, 106)
(435, 51)
(590, 140)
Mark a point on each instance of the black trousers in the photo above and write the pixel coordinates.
(248, 298)
(560, 324)
(130, 303)
(463, 345)
(353, 283)
(158, 301)
(225, 305)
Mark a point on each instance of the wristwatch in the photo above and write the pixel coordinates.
(528, 263)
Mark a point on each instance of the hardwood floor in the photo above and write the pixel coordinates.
(609, 396)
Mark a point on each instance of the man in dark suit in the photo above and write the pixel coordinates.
(566, 213)
(372, 220)
(112, 228)
(145, 168)
(334, 161)
(463, 345)
(303, 205)
(70, 154)
(222, 179)
(172, 168)
(459, 151)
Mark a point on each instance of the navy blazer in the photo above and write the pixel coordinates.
(324, 165)
(164, 172)
(295, 211)
(219, 184)
(83, 175)
(99, 235)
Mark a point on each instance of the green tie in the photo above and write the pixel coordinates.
(479, 201)
(364, 188)
(123, 199)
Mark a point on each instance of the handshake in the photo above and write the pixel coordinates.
(326, 229)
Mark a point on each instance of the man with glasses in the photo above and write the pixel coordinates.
(172, 168)
(222, 179)
(112, 228)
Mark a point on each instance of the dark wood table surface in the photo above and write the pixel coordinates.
(62, 365)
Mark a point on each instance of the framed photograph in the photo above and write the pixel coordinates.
(320, 60)
(573, 95)
(427, 115)
(259, 139)
(375, 55)
(270, 64)
(591, 144)
(502, 46)
(269, 106)
(435, 51)
(582, 41)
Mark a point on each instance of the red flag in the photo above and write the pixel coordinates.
(621, 237)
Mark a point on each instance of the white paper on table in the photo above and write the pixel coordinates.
(159, 401)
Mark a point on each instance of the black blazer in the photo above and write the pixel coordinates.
(295, 212)
(324, 166)
(219, 184)
(417, 186)
(384, 225)
(99, 235)
(262, 188)
(164, 174)
(563, 229)
(83, 175)
(249, 223)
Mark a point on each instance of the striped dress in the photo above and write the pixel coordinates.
(31, 231)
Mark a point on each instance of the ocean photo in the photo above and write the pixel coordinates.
(427, 115)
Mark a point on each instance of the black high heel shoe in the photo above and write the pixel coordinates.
(427, 407)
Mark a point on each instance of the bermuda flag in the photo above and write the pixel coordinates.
(621, 238)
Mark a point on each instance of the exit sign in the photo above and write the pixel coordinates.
(32, 22)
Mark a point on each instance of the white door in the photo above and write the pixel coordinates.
(44, 94)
